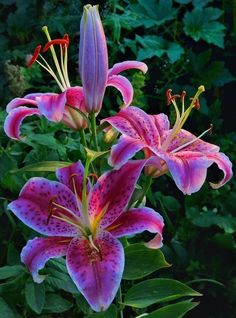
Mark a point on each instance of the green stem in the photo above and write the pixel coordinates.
(84, 192)
(145, 190)
(83, 138)
(94, 132)
(165, 215)
(119, 298)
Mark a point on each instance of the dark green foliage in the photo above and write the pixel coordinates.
(185, 43)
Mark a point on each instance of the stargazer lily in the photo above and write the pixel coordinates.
(93, 63)
(186, 156)
(70, 105)
(83, 222)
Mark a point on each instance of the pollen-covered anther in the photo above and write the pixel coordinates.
(33, 57)
(64, 42)
(51, 208)
(196, 104)
(94, 176)
(183, 94)
(170, 98)
(211, 129)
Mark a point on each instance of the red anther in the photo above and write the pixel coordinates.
(51, 209)
(66, 37)
(168, 96)
(34, 57)
(63, 42)
(93, 175)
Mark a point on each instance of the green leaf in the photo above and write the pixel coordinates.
(59, 280)
(149, 260)
(10, 271)
(111, 312)
(201, 24)
(177, 310)
(56, 304)
(156, 291)
(35, 296)
(153, 13)
(5, 310)
(153, 45)
(49, 166)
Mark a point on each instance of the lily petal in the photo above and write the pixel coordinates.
(39, 250)
(96, 271)
(161, 122)
(75, 97)
(34, 207)
(124, 86)
(52, 105)
(14, 119)
(224, 164)
(16, 102)
(135, 123)
(125, 149)
(188, 169)
(136, 221)
(126, 65)
(112, 192)
(72, 177)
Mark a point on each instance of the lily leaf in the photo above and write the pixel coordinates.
(49, 166)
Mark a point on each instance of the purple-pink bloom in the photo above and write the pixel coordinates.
(94, 255)
(55, 107)
(186, 156)
(93, 63)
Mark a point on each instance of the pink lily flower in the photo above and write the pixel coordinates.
(88, 237)
(93, 63)
(176, 150)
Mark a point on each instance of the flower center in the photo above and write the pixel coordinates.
(61, 73)
(182, 116)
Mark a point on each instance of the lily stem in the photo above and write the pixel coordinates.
(119, 297)
(83, 138)
(145, 190)
(94, 132)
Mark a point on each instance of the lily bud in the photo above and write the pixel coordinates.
(93, 59)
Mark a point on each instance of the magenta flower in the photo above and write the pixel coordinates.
(186, 156)
(88, 238)
(93, 63)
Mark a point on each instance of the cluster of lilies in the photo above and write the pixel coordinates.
(82, 220)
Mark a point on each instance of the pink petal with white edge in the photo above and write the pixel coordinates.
(96, 272)
(126, 65)
(136, 221)
(16, 102)
(224, 164)
(39, 250)
(188, 169)
(52, 106)
(125, 149)
(34, 207)
(124, 86)
(112, 192)
(14, 119)
(135, 123)
(72, 177)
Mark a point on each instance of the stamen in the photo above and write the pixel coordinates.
(63, 42)
(78, 201)
(34, 57)
(92, 243)
(192, 141)
(93, 175)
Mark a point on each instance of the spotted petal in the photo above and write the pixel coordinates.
(136, 221)
(161, 122)
(112, 192)
(124, 86)
(125, 149)
(34, 207)
(126, 65)
(224, 164)
(14, 119)
(96, 270)
(135, 123)
(39, 250)
(52, 105)
(72, 177)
